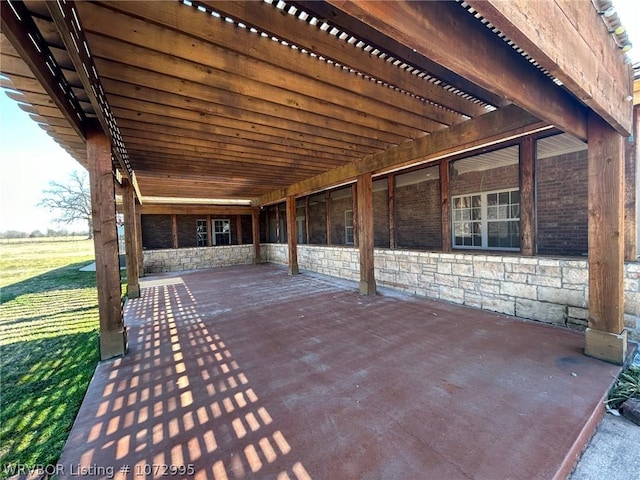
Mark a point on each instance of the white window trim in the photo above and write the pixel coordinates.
(214, 232)
(348, 228)
(484, 222)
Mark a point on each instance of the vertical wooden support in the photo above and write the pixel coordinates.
(327, 217)
(354, 207)
(632, 189)
(392, 209)
(174, 230)
(277, 207)
(239, 229)
(255, 230)
(209, 232)
(365, 231)
(130, 235)
(139, 243)
(527, 197)
(306, 220)
(292, 237)
(605, 337)
(113, 337)
(445, 205)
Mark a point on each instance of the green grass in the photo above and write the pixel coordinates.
(48, 346)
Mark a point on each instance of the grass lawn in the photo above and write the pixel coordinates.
(48, 346)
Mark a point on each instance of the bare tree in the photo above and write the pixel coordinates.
(72, 200)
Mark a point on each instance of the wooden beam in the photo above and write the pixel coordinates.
(327, 216)
(174, 231)
(527, 196)
(482, 58)
(354, 203)
(570, 41)
(66, 19)
(631, 189)
(333, 16)
(605, 336)
(130, 235)
(288, 27)
(255, 224)
(18, 27)
(391, 198)
(139, 248)
(487, 129)
(239, 229)
(160, 209)
(113, 338)
(445, 204)
(365, 233)
(292, 239)
(209, 231)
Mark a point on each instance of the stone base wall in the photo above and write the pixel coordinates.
(175, 260)
(274, 253)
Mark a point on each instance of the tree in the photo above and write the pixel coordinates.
(72, 200)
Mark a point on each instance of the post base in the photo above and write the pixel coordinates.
(367, 288)
(606, 346)
(293, 270)
(113, 344)
(133, 291)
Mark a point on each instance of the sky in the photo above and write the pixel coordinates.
(30, 159)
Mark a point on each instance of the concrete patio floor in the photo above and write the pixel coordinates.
(247, 372)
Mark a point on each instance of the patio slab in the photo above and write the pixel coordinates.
(249, 373)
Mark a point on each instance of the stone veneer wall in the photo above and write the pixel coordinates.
(548, 290)
(175, 260)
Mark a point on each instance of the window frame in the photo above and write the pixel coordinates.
(215, 233)
(348, 227)
(202, 235)
(484, 221)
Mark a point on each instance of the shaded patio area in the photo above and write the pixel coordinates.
(247, 372)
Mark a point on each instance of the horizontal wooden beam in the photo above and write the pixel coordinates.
(569, 40)
(18, 27)
(490, 128)
(482, 58)
(164, 209)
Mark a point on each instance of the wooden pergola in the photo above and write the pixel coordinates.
(227, 106)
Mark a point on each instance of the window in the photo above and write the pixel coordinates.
(221, 232)
(489, 220)
(201, 233)
(348, 227)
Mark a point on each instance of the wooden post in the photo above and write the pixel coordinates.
(113, 336)
(292, 238)
(354, 203)
(209, 232)
(365, 231)
(255, 227)
(631, 201)
(130, 235)
(527, 196)
(306, 220)
(445, 206)
(327, 217)
(277, 207)
(605, 337)
(139, 242)
(391, 192)
(239, 229)
(174, 230)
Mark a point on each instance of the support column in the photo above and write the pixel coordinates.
(239, 229)
(327, 217)
(605, 337)
(292, 238)
(632, 191)
(255, 227)
(139, 242)
(354, 207)
(174, 230)
(113, 337)
(365, 234)
(445, 206)
(391, 192)
(527, 197)
(130, 235)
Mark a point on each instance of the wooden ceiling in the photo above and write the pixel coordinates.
(232, 100)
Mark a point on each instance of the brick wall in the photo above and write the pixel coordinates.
(381, 218)
(418, 215)
(562, 204)
(156, 231)
(337, 208)
(187, 230)
(317, 220)
(500, 178)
